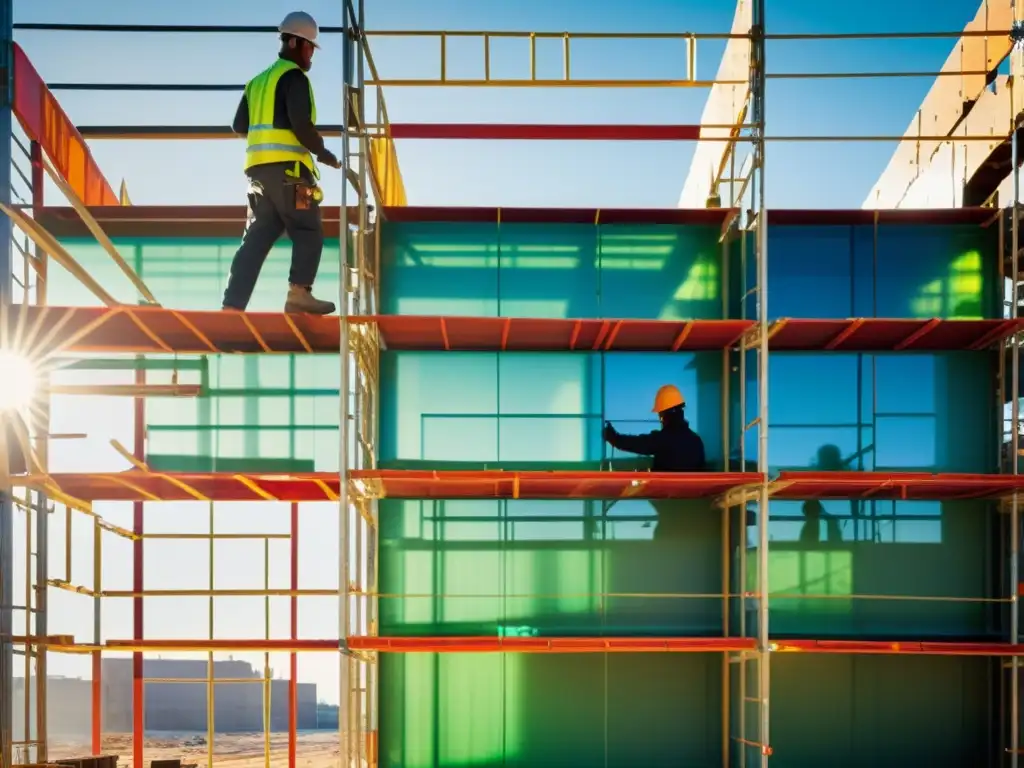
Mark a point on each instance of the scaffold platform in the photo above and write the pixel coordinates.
(155, 330)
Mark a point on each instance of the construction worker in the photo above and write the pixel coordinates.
(673, 448)
(277, 115)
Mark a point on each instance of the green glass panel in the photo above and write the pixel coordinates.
(551, 270)
(524, 710)
(892, 711)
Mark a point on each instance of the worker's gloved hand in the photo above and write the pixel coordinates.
(609, 431)
(327, 158)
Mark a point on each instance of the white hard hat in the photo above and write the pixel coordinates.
(300, 24)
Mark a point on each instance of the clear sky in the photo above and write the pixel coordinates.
(527, 173)
(514, 173)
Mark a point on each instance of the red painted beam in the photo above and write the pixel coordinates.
(293, 662)
(138, 585)
(547, 132)
(97, 702)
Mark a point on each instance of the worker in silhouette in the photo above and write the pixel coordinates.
(277, 115)
(672, 448)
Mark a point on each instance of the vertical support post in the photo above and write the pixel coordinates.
(267, 685)
(1016, 71)
(293, 657)
(741, 658)
(345, 735)
(6, 300)
(727, 511)
(366, 545)
(42, 519)
(1014, 572)
(31, 647)
(97, 637)
(211, 671)
(757, 90)
(138, 585)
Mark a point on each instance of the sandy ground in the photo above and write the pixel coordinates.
(314, 749)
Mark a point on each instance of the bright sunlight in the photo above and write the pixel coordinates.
(19, 381)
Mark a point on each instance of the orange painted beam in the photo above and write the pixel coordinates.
(912, 647)
(494, 644)
(43, 119)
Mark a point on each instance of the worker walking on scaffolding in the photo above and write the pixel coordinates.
(277, 115)
(672, 448)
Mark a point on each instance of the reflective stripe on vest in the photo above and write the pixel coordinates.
(267, 144)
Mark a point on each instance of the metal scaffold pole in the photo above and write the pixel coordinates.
(757, 91)
(368, 395)
(1014, 571)
(6, 503)
(1016, 70)
(344, 681)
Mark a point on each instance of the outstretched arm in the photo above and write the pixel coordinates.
(644, 445)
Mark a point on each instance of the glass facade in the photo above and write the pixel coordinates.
(843, 569)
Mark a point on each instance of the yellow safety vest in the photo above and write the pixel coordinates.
(267, 144)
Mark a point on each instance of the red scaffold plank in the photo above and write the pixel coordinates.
(547, 132)
(496, 484)
(877, 334)
(551, 644)
(893, 485)
(412, 332)
(139, 485)
(141, 330)
(898, 647)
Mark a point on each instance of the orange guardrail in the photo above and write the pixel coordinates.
(46, 122)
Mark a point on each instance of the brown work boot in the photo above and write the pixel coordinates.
(302, 301)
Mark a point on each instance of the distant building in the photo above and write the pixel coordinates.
(238, 707)
(178, 707)
(68, 704)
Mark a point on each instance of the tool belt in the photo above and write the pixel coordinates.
(306, 195)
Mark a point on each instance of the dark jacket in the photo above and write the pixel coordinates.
(292, 109)
(673, 448)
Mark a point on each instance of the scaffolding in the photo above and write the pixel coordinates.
(374, 193)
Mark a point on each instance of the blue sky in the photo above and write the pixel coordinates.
(512, 173)
(445, 173)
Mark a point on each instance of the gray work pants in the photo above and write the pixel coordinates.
(272, 212)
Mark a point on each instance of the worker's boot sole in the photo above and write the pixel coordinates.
(312, 308)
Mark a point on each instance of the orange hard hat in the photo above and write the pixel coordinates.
(668, 396)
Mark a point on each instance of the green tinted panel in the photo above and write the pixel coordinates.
(551, 270)
(525, 710)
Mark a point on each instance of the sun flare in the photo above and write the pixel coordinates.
(19, 381)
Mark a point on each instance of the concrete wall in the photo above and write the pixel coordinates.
(68, 703)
